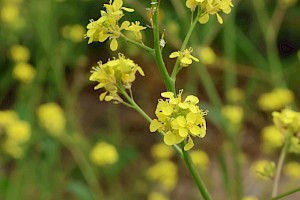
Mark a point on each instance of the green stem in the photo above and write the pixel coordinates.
(150, 50)
(188, 161)
(280, 164)
(286, 194)
(157, 55)
(183, 46)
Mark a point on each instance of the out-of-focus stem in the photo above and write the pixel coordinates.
(286, 194)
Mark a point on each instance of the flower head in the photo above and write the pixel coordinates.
(104, 153)
(185, 57)
(263, 169)
(287, 119)
(24, 72)
(136, 29)
(114, 74)
(19, 53)
(292, 169)
(161, 151)
(272, 138)
(178, 119)
(276, 99)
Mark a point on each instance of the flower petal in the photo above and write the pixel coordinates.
(114, 45)
(169, 138)
(174, 54)
(154, 125)
(189, 145)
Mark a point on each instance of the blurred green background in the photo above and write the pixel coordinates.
(45, 59)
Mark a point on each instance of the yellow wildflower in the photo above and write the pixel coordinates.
(178, 119)
(200, 159)
(294, 145)
(136, 29)
(235, 95)
(212, 7)
(24, 72)
(263, 169)
(292, 169)
(287, 119)
(19, 53)
(165, 173)
(75, 32)
(207, 55)
(161, 151)
(8, 118)
(250, 198)
(52, 118)
(185, 57)
(276, 99)
(157, 196)
(19, 132)
(192, 4)
(234, 114)
(13, 149)
(113, 74)
(272, 138)
(104, 154)
(10, 12)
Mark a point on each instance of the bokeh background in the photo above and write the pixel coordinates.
(55, 118)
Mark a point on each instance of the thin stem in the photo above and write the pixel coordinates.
(280, 164)
(188, 161)
(158, 56)
(286, 194)
(150, 50)
(183, 46)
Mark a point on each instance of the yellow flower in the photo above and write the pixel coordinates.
(234, 114)
(192, 4)
(52, 118)
(287, 120)
(235, 95)
(276, 99)
(19, 132)
(178, 119)
(161, 151)
(294, 145)
(250, 198)
(185, 57)
(136, 29)
(272, 138)
(292, 169)
(200, 159)
(8, 118)
(75, 32)
(287, 3)
(207, 55)
(157, 196)
(212, 7)
(10, 12)
(19, 53)
(24, 72)
(263, 169)
(104, 154)
(13, 149)
(165, 173)
(113, 74)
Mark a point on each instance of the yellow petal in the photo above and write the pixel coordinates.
(101, 97)
(102, 37)
(220, 20)
(128, 9)
(167, 110)
(100, 85)
(191, 118)
(184, 105)
(204, 19)
(167, 94)
(154, 125)
(140, 70)
(196, 130)
(125, 24)
(183, 132)
(174, 54)
(186, 61)
(189, 145)
(181, 121)
(169, 138)
(114, 45)
(192, 98)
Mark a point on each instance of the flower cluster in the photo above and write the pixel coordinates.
(107, 26)
(263, 169)
(210, 7)
(103, 154)
(276, 99)
(113, 75)
(178, 119)
(17, 133)
(185, 57)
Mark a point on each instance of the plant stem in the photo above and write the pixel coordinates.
(158, 56)
(286, 194)
(280, 164)
(188, 161)
(150, 50)
(183, 46)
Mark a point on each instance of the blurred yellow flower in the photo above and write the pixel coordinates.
(263, 169)
(19, 53)
(8, 117)
(19, 132)
(287, 3)
(136, 29)
(13, 149)
(178, 119)
(157, 196)
(277, 99)
(272, 139)
(292, 169)
(235, 95)
(287, 119)
(250, 198)
(185, 57)
(75, 33)
(10, 12)
(161, 151)
(165, 173)
(104, 154)
(24, 72)
(52, 118)
(200, 159)
(234, 114)
(207, 55)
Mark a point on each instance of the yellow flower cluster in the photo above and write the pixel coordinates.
(73, 32)
(161, 151)
(207, 55)
(200, 159)
(272, 138)
(52, 118)
(263, 169)
(17, 133)
(107, 26)
(103, 154)
(178, 119)
(233, 114)
(113, 75)
(210, 7)
(185, 57)
(165, 173)
(292, 169)
(276, 99)
(287, 119)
